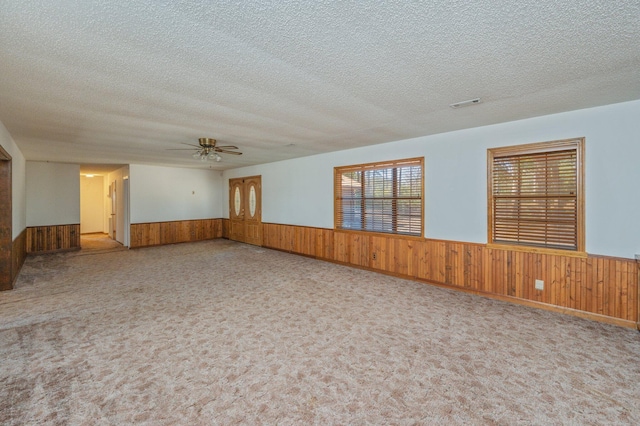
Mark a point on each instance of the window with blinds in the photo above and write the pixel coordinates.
(380, 197)
(536, 195)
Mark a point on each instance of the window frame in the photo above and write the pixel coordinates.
(576, 144)
(379, 165)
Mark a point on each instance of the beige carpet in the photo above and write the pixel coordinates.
(224, 333)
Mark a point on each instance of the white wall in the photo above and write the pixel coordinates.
(300, 191)
(92, 201)
(53, 193)
(18, 183)
(161, 194)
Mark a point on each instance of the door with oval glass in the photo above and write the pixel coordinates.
(245, 210)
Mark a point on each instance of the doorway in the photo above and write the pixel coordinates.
(92, 200)
(245, 210)
(6, 242)
(101, 201)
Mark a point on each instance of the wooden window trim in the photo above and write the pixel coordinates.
(535, 249)
(535, 148)
(381, 165)
(381, 234)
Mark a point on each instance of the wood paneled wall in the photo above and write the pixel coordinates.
(18, 254)
(598, 287)
(158, 233)
(42, 239)
(225, 228)
(6, 250)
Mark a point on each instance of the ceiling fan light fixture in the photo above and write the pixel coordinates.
(207, 149)
(207, 142)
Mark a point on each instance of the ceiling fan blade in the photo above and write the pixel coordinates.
(190, 144)
(227, 147)
(224, 151)
(180, 149)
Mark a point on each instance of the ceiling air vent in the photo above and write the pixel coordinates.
(465, 103)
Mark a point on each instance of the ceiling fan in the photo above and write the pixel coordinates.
(208, 150)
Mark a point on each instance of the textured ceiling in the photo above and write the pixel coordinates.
(123, 81)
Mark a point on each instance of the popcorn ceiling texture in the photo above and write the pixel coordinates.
(87, 81)
(223, 333)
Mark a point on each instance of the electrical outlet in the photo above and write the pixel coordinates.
(539, 285)
(374, 256)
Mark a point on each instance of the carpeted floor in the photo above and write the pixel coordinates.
(224, 333)
(98, 243)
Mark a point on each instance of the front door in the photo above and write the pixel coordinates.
(245, 210)
(236, 209)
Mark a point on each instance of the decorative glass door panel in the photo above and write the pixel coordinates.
(245, 210)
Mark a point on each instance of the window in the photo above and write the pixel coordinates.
(536, 195)
(380, 197)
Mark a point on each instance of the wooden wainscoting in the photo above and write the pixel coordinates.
(18, 254)
(225, 228)
(44, 239)
(181, 231)
(596, 287)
